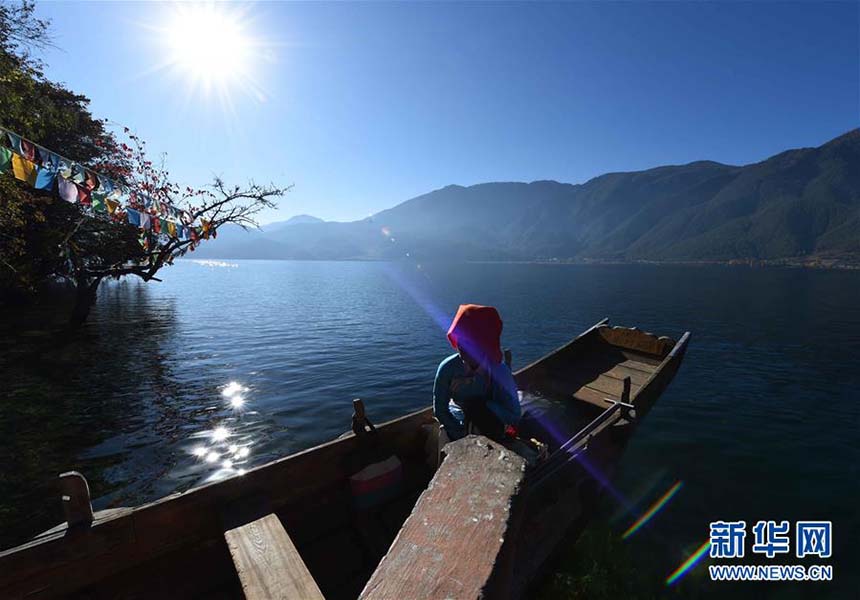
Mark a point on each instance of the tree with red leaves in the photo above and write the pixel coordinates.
(111, 248)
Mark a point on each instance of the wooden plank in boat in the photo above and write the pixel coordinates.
(595, 397)
(637, 372)
(268, 564)
(606, 384)
(636, 340)
(459, 540)
(641, 360)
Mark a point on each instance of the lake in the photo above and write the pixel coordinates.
(761, 421)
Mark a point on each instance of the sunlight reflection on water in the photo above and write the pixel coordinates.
(215, 263)
(223, 452)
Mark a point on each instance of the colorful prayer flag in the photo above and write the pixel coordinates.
(112, 205)
(115, 194)
(14, 141)
(145, 220)
(133, 217)
(105, 184)
(171, 228)
(90, 180)
(78, 173)
(28, 150)
(49, 160)
(124, 195)
(45, 179)
(99, 201)
(84, 195)
(64, 168)
(23, 169)
(67, 189)
(5, 159)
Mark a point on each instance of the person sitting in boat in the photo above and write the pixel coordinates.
(474, 387)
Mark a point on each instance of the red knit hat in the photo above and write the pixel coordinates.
(478, 330)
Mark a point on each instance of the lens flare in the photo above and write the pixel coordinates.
(688, 564)
(652, 510)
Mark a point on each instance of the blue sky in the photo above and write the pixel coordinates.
(363, 106)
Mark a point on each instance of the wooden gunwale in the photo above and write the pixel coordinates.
(124, 540)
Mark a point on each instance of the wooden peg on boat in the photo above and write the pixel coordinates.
(75, 495)
(360, 423)
(628, 411)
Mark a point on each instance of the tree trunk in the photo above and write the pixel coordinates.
(85, 297)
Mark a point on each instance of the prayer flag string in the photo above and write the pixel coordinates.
(100, 196)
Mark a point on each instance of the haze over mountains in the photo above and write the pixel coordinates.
(798, 205)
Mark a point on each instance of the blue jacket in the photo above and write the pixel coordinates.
(452, 383)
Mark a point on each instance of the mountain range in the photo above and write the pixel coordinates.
(800, 205)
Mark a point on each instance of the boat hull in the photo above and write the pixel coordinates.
(175, 547)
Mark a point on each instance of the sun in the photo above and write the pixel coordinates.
(206, 41)
(209, 47)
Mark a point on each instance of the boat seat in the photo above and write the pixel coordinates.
(453, 544)
(267, 562)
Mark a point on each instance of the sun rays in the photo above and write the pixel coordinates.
(210, 52)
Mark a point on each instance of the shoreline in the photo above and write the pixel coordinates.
(810, 263)
(818, 264)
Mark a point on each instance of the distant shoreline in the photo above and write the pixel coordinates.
(800, 263)
(820, 264)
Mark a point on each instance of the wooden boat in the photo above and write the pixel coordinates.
(292, 529)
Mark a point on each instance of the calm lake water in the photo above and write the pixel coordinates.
(761, 422)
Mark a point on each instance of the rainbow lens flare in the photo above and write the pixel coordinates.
(653, 510)
(689, 563)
